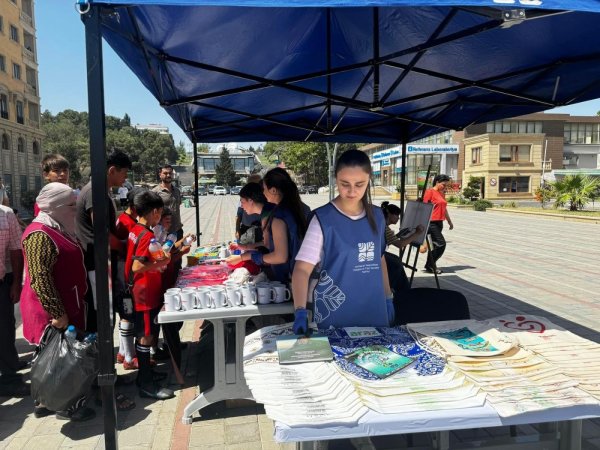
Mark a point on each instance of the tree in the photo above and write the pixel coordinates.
(574, 191)
(224, 172)
(473, 189)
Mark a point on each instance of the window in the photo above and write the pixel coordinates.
(513, 184)
(5, 142)
(36, 151)
(20, 145)
(514, 153)
(1, 24)
(14, 33)
(582, 133)
(20, 117)
(2, 63)
(514, 127)
(209, 164)
(16, 71)
(24, 187)
(4, 106)
(239, 164)
(476, 155)
(38, 182)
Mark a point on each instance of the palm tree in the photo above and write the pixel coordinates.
(574, 190)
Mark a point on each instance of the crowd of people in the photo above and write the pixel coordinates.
(334, 258)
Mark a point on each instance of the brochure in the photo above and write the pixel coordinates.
(379, 360)
(298, 349)
(361, 332)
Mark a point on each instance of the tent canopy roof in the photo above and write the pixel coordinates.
(354, 71)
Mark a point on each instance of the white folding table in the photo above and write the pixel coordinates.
(229, 325)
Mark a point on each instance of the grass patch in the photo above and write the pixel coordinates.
(557, 211)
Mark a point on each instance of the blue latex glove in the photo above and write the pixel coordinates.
(391, 312)
(301, 322)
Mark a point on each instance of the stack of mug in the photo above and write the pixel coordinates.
(225, 295)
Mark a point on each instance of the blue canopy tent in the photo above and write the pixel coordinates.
(385, 71)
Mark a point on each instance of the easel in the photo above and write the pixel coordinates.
(406, 262)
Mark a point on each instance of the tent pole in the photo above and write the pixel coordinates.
(329, 171)
(403, 180)
(97, 130)
(196, 196)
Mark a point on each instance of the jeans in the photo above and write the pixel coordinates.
(438, 241)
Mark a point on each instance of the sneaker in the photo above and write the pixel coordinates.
(41, 411)
(153, 390)
(131, 365)
(120, 358)
(81, 415)
(161, 354)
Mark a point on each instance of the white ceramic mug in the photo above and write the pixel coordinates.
(282, 293)
(204, 297)
(249, 296)
(188, 299)
(172, 302)
(219, 297)
(234, 295)
(265, 293)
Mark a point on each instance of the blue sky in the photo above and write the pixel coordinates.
(62, 73)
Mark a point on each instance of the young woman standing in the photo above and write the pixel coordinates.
(436, 196)
(346, 242)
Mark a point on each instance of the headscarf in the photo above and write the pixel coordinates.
(57, 208)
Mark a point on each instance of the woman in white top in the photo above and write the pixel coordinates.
(345, 241)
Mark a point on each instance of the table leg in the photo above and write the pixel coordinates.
(312, 445)
(229, 335)
(570, 434)
(441, 440)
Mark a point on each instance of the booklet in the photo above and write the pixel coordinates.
(298, 349)
(361, 332)
(379, 360)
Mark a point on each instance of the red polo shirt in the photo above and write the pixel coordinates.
(439, 204)
(147, 286)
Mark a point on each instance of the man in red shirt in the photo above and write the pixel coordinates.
(436, 196)
(143, 272)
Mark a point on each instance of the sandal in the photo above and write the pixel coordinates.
(124, 403)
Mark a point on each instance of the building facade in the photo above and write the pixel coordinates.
(243, 163)
(20, 132)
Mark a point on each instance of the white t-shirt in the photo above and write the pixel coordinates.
(123, 192)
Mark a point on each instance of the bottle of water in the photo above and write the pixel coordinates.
(156, 251)
(90, 338)
(171, 238)
(71, 333)
(188, 241)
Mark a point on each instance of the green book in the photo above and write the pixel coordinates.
(379, 360)
(298, 349)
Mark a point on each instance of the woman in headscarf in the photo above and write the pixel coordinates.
(55, 276)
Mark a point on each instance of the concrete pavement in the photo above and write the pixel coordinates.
(502, 263)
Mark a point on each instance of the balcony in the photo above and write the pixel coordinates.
(29, 56)
(32, 123)
(27, 19)
(547, 165)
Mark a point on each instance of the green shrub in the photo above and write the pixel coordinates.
(452, 199)
(509, 204)
(482, 205)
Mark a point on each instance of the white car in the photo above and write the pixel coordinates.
(219, 190)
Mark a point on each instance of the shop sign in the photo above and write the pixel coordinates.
(422, 149)
(387, 154)
(493, 182)
(385, 163)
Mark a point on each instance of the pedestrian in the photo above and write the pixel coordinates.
(122, 194)
(345, 241)
(117, 166)
(4, 199)
(436, 195)
(11, 269)
(397, 277)
(55, 169)
(245, 221)
(171, 196)
(55, 278)
(143, 269)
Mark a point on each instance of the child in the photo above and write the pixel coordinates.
(125, 223)
(144, 272)
(55, 169)
(346, 239)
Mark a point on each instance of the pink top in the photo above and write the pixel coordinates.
(311, 250)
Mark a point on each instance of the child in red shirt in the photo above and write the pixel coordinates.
(145, 274)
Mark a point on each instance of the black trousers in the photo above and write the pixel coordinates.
(438, 242)
(396, 274)
(9, 358)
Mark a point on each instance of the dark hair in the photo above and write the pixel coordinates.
(54, 161)
(166, 166)
(356, 158)
(279, 179)
(389, 208)
(118, 159)
(131, 195)
(254, 192)
(441, 178)
(146, 201)
(166, 212)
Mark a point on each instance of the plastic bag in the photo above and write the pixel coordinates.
(63, 370)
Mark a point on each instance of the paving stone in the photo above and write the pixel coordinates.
(137, 435)
(16, 443)
(256, 445)
(211, 434)
(47, 442)
(241, 433)
(250, 418)
(266, 431)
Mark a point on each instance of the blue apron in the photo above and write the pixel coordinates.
(283, 272)
(350, 290)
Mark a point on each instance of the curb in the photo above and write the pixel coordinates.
(584, 219)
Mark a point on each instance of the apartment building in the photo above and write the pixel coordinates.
(20, 133)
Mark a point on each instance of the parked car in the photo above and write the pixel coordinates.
(211, 188)
(187, 190)
(235, 190)
(202, 190)
(219, 190)
(311, 190)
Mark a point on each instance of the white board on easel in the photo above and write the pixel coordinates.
(416, 213)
